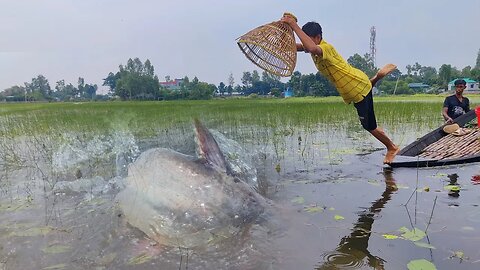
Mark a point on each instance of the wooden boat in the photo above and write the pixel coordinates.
(438, 148)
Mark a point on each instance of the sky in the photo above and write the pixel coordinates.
(68, 39)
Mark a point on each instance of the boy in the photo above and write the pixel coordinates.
(456, 104)
(352, 84)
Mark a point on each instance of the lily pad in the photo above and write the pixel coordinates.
(412, 235)
(298, 200)
(424, 245)
(338, 217)
(390, 236)
(459, 254)
(313, 209)
(452, 188)
(421, 264)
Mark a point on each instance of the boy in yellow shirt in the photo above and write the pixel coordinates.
(352, 84)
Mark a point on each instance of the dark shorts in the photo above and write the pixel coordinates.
(366, 113)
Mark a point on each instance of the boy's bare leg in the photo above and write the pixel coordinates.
(384, 71)
(392, 149)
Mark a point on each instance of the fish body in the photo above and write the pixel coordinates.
(187, 201)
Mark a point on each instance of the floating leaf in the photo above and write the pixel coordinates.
(338, 217)
(424, 245)
(459, 254)
(426, 189)
(277, 168)
(390, 236)
(298, 200)
(331, 209)
(142, 258)
(413, 235)
(421, 264)
(452, 188)
(313, 209)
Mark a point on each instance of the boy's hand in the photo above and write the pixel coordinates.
(289, 19)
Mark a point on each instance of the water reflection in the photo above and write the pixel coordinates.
(352, 251)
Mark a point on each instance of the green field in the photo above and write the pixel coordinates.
(146, 118)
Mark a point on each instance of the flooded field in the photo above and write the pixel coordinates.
(329, 201)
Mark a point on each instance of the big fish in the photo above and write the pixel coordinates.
(186, 201)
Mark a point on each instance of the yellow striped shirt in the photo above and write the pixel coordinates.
(351, 83)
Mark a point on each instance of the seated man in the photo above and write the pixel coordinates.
(456, 105)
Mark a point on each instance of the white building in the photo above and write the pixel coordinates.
(472, 86)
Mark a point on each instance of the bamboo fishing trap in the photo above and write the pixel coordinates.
(271, 47)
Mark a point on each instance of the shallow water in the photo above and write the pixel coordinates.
(333, 204)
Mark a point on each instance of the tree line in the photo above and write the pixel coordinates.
(39, 89)
(137, 81)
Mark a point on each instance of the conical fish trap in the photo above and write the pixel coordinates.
(272, 47)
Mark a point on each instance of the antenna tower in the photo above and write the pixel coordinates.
(373, 49)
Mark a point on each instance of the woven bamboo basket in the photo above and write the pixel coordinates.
(272, 47)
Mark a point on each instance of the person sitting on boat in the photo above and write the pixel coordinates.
(456, 105)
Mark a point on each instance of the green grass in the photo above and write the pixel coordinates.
(146, 118)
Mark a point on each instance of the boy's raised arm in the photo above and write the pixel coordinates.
(307, 42)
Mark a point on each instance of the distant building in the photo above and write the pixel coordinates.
(172, 85)
(419, 87)
(289, 92)
(472, 86)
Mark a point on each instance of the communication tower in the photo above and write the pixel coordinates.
(373, 49)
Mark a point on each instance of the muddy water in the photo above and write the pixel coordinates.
(334, 206)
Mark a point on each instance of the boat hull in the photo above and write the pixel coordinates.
(409, 155)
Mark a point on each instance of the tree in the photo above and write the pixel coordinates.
(273, 81)
(255, 77)
(111, 81)
(222, 88)
(294, 83)
(364, 63)
(14, 93)
(136, 80)
(38, 89)
(81, 87)
(428, 75)
(231, 81)
(444, 75)
(247, 79)
(200, 90)
(466, 72)
(90, 91)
